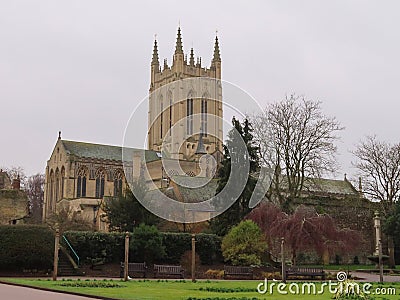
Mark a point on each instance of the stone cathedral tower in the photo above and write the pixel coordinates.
(186, 97)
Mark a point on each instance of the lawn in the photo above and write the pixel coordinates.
(177, 289)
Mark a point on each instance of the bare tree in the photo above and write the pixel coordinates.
(17, 172)
(35, 190)
(298, 140)
(67, 219)
(379, 165)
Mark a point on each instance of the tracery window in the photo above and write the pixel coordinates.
(100, 181)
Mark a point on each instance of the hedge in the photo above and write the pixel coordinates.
(110, 246)
(26, 247)
(32, 246)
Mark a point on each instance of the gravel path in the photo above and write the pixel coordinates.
(368, 277)
(11, 292)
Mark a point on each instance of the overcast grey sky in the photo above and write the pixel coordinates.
(82, 66)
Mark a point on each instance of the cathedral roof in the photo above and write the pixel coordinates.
(205, 188)
(105, 152)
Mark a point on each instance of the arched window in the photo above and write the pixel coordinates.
(118, 183)
(51, 191)
(189, 115)
(81, 183)
(204, 116)
(57, 185)
(100, 181)
(62, 182)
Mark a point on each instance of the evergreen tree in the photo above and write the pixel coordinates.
(240, 208)
(125, 212)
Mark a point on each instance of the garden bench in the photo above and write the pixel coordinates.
(238, 271)
(168, 270)
(304, 271)
(133, 268)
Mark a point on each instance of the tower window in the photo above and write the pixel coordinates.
(189, 115)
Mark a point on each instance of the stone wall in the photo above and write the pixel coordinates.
(13, 206)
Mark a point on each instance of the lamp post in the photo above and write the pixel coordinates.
(56, 247)
(126, 256)
(283, 259)
(193, 257)
(378, 246)
(380, 263)
(377, 225)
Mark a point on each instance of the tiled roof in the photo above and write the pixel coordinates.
(206, 188)
(329, 186)
(105, 152)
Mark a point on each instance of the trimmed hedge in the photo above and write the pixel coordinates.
(26, 247)
(32, 246)
(90, 245)
(110, 246)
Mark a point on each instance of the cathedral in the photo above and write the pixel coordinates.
(184, 124)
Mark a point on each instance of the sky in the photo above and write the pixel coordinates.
(82, 66)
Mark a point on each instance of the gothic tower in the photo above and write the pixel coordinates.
(192, 108)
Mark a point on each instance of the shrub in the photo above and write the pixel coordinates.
(146, 244)
(175, 245)
(271, 275)
(92, 284)
(93, 245)
(244, 244)
(23, 246)
(208, 247)
(214, 274)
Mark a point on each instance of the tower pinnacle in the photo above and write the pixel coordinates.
(178, 47)
(217, 56)
(154, 60)
(191, 60)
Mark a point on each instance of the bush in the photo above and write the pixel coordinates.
(175, 245)
(208, 246)
(244, 244)
(146, 244)
(26, 247)
(214, 274)
(93, 245)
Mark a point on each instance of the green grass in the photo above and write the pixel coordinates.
(176, 289)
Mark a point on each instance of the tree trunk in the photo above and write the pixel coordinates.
(392, 263)
(294, 254)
